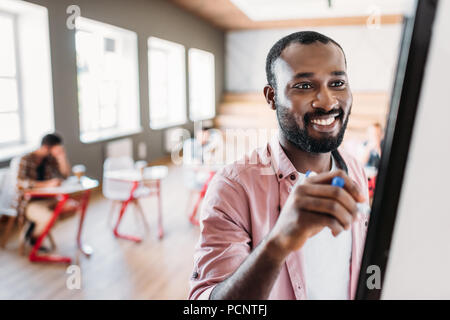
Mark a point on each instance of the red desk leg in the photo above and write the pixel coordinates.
(158, 194)
(34, 257)
(122, 211)
(192, 217)
(84, 248)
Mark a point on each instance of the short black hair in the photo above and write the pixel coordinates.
(51, 139)
(302, 37)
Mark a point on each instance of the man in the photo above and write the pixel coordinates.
(281, 235)
(44, 167)
(372, 146)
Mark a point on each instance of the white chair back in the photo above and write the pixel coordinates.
(8, 189)
(113, 189)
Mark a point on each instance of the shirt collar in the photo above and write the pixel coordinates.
(281, 164)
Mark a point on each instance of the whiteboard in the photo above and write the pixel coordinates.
(419, 258)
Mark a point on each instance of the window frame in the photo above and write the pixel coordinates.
(18, 81)
(115, 131)
(183, 119)
(213, 114)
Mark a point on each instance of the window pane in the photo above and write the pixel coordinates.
(167, 83)
(7, 53)
(9, 127)
(8, 95)
(202, 99)
(107, 79)
(159, 86)
(87, 91)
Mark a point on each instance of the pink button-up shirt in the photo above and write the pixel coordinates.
(241, 206)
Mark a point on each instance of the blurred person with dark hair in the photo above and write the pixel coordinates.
(372, 146)
(370, 155)
(44, 167)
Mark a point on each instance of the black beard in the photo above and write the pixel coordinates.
(300, 137)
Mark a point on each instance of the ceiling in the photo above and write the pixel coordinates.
(267, 10)
(262, 14)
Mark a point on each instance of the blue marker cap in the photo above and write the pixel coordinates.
(338, 182)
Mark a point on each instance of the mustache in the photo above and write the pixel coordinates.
(320, 113)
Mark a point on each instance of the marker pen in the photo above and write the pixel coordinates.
(340, 182)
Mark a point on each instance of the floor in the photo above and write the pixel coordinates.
(118, 269)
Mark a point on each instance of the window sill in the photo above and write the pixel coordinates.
(88, 138)
(168, 125)
(7, 153)
(204, 118)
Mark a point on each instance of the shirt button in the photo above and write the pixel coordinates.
(292, 176)
(280, 176)
(195, 275)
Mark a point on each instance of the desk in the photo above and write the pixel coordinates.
(150, 177)
(68, 189)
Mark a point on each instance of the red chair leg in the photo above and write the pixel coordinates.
(119, 219)
(192, 217)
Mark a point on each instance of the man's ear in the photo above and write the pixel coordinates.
(269, 94)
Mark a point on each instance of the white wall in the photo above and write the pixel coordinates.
(371, 55)
(419, 260)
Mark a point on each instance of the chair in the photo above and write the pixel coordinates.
(8, 193)
(125, 192)
(196, 181)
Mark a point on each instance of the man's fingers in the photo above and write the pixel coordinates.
(349, 185)
(326, 221)
(326, 206)
(331, 192)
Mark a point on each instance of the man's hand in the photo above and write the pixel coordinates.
(50, 183)
(314, 205)
(59, 153)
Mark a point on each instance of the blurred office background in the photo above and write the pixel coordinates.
(138, 78)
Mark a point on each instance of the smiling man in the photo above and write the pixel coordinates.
(268, 232)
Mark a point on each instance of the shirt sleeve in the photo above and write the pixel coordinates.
(225, 240)
(23, 177)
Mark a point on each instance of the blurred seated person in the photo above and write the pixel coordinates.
(199, 151)
(201, 148)
(371, 154)
(372, 146)
(42, 168)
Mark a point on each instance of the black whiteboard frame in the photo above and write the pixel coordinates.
(405, 97)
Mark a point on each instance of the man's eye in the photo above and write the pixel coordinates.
(303, 86)
(338, 83)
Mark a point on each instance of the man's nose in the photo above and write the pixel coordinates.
(325, 100)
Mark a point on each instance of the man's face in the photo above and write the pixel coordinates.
(312, 99)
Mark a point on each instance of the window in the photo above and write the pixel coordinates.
(107, 68)
(202, 98)
(26, 99)
(167, 83)
(10, 114)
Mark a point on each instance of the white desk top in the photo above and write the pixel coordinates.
(133, 175)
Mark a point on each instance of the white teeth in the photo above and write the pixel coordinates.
(323, 122)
